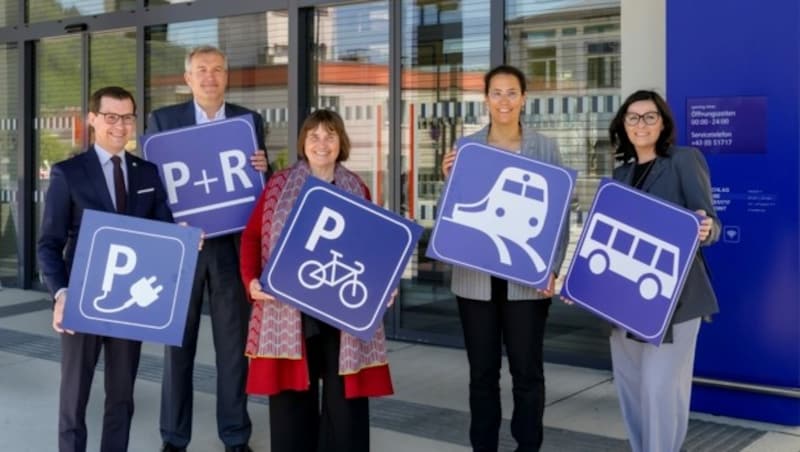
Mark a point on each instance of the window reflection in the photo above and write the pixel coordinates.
(351, 67)
(445, 53)
(44, 10)
(256, 47)
(9, 217)
(570, 52)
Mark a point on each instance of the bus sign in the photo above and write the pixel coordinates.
(632, 258)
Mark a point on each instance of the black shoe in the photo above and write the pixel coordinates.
(240, 448)
(167, 447)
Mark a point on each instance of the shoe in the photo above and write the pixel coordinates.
(167, 447)
(239, 448)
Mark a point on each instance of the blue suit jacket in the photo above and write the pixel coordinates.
(77, 184)
(182, 115)
(682, 178)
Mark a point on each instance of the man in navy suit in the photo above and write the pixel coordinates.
(104, 178)
(217, 269)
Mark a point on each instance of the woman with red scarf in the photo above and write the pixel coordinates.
(291, 352)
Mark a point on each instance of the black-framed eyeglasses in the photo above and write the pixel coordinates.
(650, 118)
(113, 118)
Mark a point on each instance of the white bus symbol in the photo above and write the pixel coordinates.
(518, 203)
(633, 254)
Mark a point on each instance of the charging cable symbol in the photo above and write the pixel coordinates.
(142, 292)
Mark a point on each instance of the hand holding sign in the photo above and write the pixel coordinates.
(58, 313)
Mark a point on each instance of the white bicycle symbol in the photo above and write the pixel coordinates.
(313, 274)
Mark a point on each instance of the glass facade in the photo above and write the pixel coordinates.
(350, 61)
(9, 214)
(444, 54)
(572, 61)
(255, 45)
(407, 77)
(45, 10)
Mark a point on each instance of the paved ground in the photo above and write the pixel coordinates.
(428, 413)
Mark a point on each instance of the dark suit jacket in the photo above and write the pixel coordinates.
(77, 184)
(682, 178)
(182, 115)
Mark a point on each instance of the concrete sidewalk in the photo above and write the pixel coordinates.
(428, 413)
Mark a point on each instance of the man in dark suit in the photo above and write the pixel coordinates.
(104, 178)
(218, 270)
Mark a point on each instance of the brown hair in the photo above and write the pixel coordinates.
(333, 122)
(114, 92)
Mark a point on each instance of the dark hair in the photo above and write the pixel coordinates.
(624, 149)
(333, 122)
(114, 92)
(504, 69)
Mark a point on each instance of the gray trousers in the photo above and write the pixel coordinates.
(655, 387)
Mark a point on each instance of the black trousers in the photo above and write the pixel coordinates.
(218, 268)
(298, 423)
(79, 354)
(520, 326)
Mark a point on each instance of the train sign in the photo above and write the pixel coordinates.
(502, 213)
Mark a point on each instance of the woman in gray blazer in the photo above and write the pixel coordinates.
(494, 311)
(654, 382)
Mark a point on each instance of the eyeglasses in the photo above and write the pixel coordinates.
(113, 118)
(650, 118)
(511, 95)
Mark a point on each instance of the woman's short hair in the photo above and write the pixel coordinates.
(504, 69)
(333, 122)
(623, 148)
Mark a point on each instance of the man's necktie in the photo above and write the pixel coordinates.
(119, 185)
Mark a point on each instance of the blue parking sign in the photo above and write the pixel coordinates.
(207, 174)
(131, 278)
(502, 213)
(632, 259)
(339, 258)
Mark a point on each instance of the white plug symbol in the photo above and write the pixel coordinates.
(142, 291)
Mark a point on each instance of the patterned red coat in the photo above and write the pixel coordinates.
(270, 375)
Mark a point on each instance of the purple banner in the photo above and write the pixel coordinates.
(727, 124)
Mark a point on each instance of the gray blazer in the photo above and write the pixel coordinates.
(682, 178)
(474, 284)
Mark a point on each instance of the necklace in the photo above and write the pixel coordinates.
(643, 176)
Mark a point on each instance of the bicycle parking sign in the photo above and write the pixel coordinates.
(339, 258)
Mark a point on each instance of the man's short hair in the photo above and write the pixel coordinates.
(114, 92)
(201, 50)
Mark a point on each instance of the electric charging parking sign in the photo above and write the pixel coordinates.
(339, 258)
(632, 259)
(131, 278)
(502, 213)
(207, 174)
